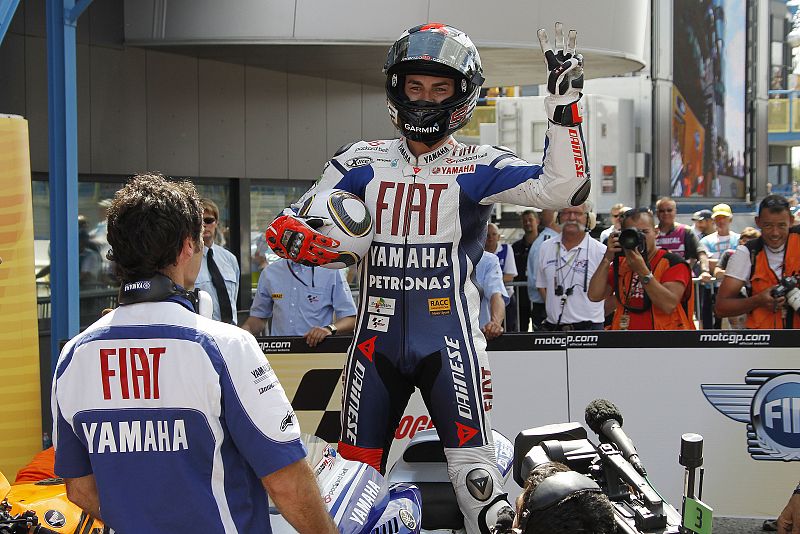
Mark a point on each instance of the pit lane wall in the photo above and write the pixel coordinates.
(740, 390)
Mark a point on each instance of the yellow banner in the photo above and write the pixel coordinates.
(20, 424)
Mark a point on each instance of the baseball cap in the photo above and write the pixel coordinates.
(702, 215)
(722, 210)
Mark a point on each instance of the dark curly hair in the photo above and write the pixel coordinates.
(148, 222)
(586, 512)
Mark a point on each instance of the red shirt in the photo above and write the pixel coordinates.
(633, 296)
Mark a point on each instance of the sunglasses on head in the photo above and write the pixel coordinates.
(634, 211)
(209, 220)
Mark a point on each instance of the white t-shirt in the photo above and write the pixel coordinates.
(739, 266)
(568, 269)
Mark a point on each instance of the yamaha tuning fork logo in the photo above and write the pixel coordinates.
(769, 403)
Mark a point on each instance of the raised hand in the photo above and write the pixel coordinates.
(564, 75)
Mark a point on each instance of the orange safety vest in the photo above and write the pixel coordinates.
(762, 277)
(680, 318)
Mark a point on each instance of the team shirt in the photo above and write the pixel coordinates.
(178, 420)
(298, 297)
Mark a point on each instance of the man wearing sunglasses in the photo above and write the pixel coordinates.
(679, 238)
(653, 287)
(219, 271)
(616, 221)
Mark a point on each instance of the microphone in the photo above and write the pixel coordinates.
(605, 420)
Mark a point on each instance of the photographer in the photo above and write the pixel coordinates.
(556, 500)
(768, 266)
(653, 294)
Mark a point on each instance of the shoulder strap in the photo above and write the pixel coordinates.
(755, 246)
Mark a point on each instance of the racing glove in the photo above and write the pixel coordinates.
(564, 77)
(295, 238)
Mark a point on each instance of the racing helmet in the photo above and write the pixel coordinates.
(435, 50)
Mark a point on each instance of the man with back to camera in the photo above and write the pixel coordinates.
(760, 265)
(431, 198)
(521, 248)
(566, 264)
(557, 500)
(156, 411)
(653, 287)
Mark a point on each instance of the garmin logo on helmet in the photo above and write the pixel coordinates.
(421, 129)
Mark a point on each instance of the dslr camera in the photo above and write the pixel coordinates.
(632, 239)
(788, 287)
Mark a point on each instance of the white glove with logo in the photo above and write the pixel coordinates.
(564, 77)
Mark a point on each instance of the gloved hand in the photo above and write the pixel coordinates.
(294, 238)
(564, 77)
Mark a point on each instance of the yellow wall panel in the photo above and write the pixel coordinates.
(21, 434)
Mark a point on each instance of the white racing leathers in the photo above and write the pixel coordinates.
(418, 313)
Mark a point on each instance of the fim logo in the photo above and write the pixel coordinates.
(769, 404)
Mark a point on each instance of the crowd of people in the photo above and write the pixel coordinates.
(646, 271)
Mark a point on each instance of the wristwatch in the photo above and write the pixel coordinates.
(646, 279)
(332, 328)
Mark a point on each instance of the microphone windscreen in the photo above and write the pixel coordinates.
(599, 411)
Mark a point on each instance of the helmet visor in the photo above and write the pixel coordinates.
(437, 46)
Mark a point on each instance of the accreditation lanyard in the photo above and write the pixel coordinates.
(289, 266)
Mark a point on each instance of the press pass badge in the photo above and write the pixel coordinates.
(624, 321)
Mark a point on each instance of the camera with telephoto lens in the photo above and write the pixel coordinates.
(632, 239)
(788, 287)
(638, 508)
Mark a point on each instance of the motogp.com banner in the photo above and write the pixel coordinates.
(739, 389)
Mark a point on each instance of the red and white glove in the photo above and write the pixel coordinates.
(564, 77)
(294, 238)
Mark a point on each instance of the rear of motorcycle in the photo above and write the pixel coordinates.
(42, 507)
(359, 499)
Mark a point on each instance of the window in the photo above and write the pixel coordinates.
(267, 201)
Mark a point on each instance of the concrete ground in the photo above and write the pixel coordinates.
(727, 525)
